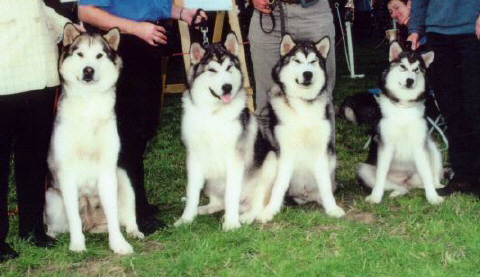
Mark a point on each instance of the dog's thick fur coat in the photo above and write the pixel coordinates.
(300, 116)
(220, 135)
(85, 143)
(402, 154)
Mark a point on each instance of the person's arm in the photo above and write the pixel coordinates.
(151, 33)
(416, 26)
(262, 6)
(55, 22)
(185, 14)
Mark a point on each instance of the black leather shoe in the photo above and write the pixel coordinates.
(150, 224)
(6, 252)
(39, 239)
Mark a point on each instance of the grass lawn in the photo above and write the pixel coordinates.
(399, 237)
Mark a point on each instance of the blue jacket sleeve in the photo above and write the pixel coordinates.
(417, 17)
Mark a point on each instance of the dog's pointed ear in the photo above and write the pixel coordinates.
(196, 53)
(231, 43)
(323, 46)
(113, 38)
(69, 34)
(286, 44)
(395, 50)
(428, 58)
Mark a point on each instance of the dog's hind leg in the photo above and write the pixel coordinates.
(215, 205)
(126, 205)
(366, 173)
(69, 190)
(108, 192)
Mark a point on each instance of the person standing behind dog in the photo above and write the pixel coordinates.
(139, 84)
(311, 22)
(29, 33)
(452, 34)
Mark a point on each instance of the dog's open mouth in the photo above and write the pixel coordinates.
(304, 83)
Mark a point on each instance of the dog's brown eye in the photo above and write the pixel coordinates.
(99, 56)
(403, 67)
(313, 62)
(416, 70)
(80, 54)
(212, 70)
(229, 67)
(296, 60)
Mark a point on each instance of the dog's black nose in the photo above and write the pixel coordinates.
(227, 88)
(88, 73)
(307, 76)
(409, 82)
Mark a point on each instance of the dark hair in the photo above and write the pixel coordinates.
(404, 1)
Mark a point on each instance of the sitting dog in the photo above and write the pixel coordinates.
(300, 115)
(220, 136)
(402, 154)
(85, 143)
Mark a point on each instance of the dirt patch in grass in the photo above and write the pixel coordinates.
(359, 216)
(152, 246)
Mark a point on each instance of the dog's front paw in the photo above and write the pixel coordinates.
(398, 192)
(77, 246)
(335, 212)
(374, 199)
(230, 225)
(435, 200)
(121, 247)
(266, 216)
(136, 234)
(248, 218)
(182, 221)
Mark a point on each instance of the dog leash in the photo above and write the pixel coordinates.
(201, 25)
(272, 4)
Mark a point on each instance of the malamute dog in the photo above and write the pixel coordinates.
(301, 128)
(85, 144)
(402, 154)
(220, 134)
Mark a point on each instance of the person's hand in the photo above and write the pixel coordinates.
(151, 33)
(262, 6)
(413, 37)
(477, 27)
(188, 14)
(79, 28)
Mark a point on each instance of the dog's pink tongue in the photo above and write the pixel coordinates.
(226, 98)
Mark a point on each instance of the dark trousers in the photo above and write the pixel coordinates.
(138, 109)
(456, 82)
(25, 127)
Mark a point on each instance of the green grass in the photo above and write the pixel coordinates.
(399, 237)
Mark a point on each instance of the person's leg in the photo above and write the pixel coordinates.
(470, 83)
(265, 52)
(33, 132)
(6, 115)
(446, 79)
(137, 108)
(313, 23)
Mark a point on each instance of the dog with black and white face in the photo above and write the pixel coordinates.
(85, 145)
(301, 128)
(221, 136)
(402, 155)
